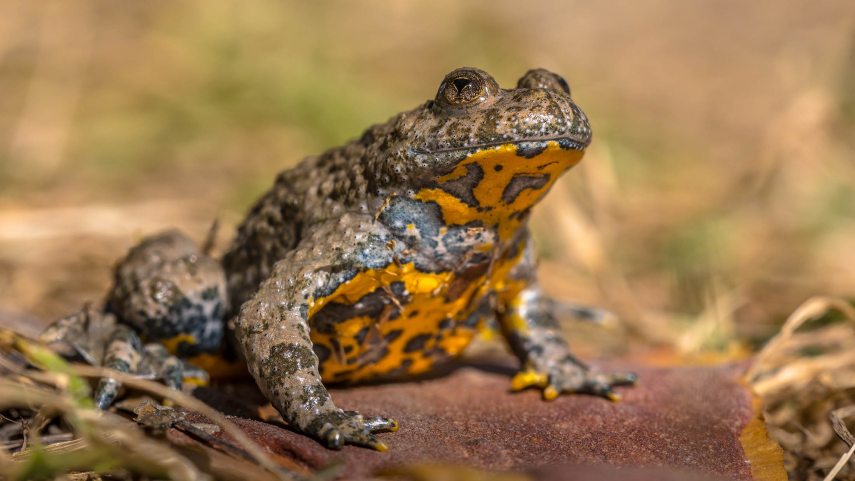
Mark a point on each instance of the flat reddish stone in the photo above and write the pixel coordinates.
(684, 419)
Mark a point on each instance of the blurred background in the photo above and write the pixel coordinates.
(717, 196)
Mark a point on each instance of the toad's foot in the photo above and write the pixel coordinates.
(568, 375)
(99, 340)
(338, 428)
(151, 361)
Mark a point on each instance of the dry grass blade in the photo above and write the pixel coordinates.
(809, 310)
(106, 439)
(842, 462)
(803, 379)
(61, 381)
(186, 401)
(840, 428)
(799, 372)
(6, 462)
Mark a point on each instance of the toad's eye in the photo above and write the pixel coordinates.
(464, 87)
(543, 79)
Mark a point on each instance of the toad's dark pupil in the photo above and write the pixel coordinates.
(461, 83)
(463, 90)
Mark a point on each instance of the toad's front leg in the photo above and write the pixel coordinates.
(528, 323)
(547, 363)
(273, 332)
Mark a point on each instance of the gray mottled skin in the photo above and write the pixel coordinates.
(353, 210)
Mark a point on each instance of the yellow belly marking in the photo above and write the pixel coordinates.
(428, 307)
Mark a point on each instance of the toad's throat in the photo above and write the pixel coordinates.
(497, 186)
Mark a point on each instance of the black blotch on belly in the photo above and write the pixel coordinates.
(392, 335)
(464, 187)
(360, 335)
(417, 343)
(371, 356)
(375, 304)
(341, 375)
(323, 352)
(399, 289)
(520, 183)
(474, 270)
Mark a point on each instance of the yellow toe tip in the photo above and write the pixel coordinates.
(550, 393)
(527, 379)
(196, 381)
(381, 447)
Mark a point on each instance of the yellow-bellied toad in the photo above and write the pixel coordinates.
(384, 256)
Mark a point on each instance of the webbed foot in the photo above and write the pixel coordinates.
(569, 375)
(123, 354)
(151, 361)
(349, 427)
(99, 340)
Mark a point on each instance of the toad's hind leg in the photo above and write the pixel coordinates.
(170, 292)
(166, 291)
(158, 364)
(122, 354)
(125, 353)
(99, 340)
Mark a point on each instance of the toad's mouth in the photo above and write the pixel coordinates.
(531, 144)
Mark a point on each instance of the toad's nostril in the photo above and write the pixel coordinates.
(461, 83)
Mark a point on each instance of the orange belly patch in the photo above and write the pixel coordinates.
(407, 337)
(433, 320)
